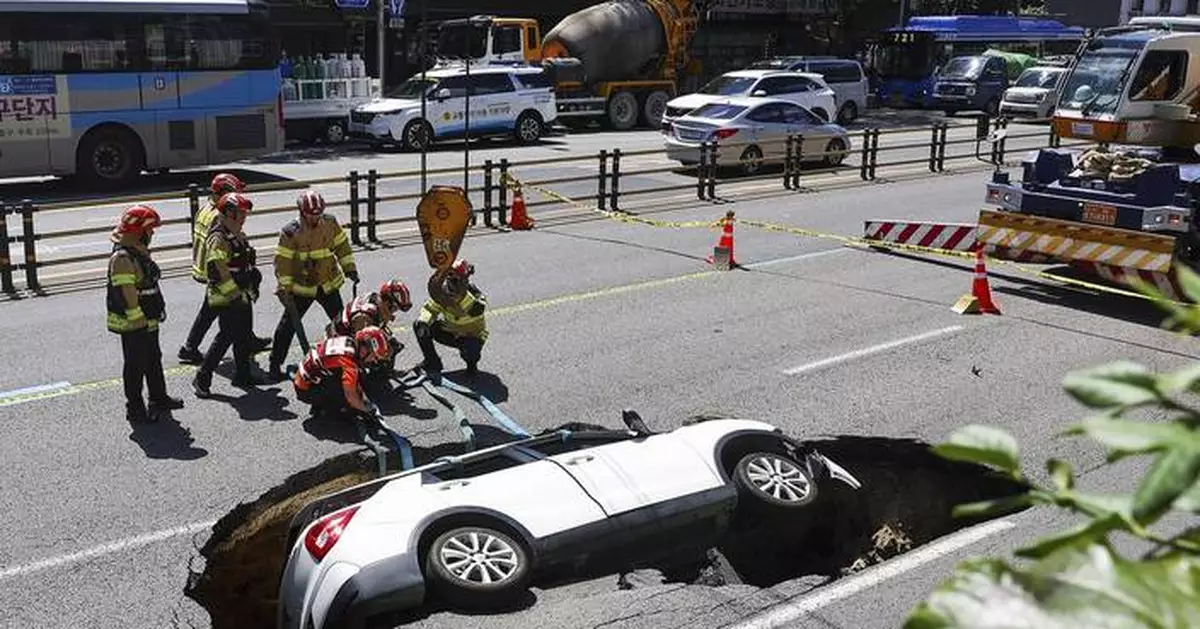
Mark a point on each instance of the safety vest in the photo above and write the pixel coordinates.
(130, 268)
(363, 311)
(467, 320)
(230, 269)
(334, 357)
(200, 229)
(311, 259)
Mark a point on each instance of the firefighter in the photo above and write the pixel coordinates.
(330, 376)
(233, 284)
(462, 325)
(377, 309)
(135, 310)
(312, 262)
(221, 185)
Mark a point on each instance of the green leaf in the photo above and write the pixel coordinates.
(1189, 281)
(1186, 379)
(1189, 500)
(1118, 385)
(1100, 505)
(1171, 475)
(1125, 437)
(1086, 534)
(1079, 587)
(1061, 473)
(985, 445)
(993, 508)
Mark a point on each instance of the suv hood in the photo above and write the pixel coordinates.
(692, 101)
(388, 105)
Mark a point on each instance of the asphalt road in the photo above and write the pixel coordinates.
(589, 318)
(572, 172)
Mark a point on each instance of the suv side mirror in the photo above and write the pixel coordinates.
(759, 93)
(442, 94)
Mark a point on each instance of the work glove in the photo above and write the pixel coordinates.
(353, 275)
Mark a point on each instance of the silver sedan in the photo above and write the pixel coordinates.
(752, 133)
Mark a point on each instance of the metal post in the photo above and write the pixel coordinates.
(602, 182)
(504, 191)
(467, 119)
(712, 170)
(487, 192)
(796, 157)
(865, 160)
(193, 207)
(874, 151)
(6, 274)
(354, 235)
(1003, 143)
(1055, 141)
(616, 180)
(701, 168)
(933, 143)
(424, 34)
(29, 238)
(372, 203)
(787, 162)
(381, 37)
(941, 159)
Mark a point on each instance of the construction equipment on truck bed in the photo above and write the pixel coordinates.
(617, 61)
(1129, 206)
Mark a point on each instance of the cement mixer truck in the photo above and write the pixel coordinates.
(617, 62)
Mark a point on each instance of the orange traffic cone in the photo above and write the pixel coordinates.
(722, 256)
(520, 218)
(980, 299)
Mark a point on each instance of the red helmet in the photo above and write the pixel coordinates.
(225, 183)
(311, 203)
(372, 344)
(137, 219)
(234, 204)
(463, 268)
(396, 294)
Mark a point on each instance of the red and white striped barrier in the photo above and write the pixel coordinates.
(945, 236)
(1165, 282)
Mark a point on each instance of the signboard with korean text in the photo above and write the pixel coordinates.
(34, 107)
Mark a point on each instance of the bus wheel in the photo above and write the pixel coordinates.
(110, 156)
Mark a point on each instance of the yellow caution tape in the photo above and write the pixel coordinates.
(850, 241)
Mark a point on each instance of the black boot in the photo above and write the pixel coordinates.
(168, 404)
(136, 414)
(472, 368)
(190, 356)
(202, 385)
(248, 379)
(275, 374)
(262, 344)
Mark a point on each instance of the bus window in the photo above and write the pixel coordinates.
(201, 42)
(34, 45)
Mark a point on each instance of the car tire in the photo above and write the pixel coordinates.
(454, 567)
(335, 132)
(835, 152)
(653, 108)
(751, 162)
(821, 113)
(417, 136)
(773, 481)
(528, 128)
(848, 113)
(109, 157)
(622, 111)
(992, 108)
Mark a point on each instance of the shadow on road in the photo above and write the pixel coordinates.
(71, 189)
(166, 439)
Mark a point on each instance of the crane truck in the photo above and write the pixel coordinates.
(1129, 207)
(617, 62)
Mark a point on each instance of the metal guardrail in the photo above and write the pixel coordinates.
(363, 197)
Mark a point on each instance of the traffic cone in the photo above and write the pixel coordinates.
(520, 218)
(722, 256)
(980, 299)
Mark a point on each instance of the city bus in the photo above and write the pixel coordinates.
(905, 59)
(107, 89)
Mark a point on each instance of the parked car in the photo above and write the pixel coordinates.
(752, 132)
(475, 528)
(1035, 93)
(802, 88)
(517, 101)
(844, 76)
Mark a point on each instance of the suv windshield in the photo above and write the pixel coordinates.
(719, 111)
(1098, 78)
(412, 88)
(728, 85)
(962, 68)
(1039, 77)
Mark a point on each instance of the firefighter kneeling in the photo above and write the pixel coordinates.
(377, 309)
(461, 325)
(330, 376)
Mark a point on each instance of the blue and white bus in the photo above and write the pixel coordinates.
(905, 59)
(106, 89)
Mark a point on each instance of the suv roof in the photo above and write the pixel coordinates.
(759, 73)
(455, 70)
(788, 60)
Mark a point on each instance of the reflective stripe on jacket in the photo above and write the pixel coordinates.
(331, 358)
(204, 221)
(466, 319)
(229, 257)
(133, 299)
(309, 259)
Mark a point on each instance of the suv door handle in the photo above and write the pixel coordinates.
(580, 459)
(453, 484)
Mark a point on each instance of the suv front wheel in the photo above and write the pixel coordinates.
(418, 135)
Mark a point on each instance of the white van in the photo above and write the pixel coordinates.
(844, 76)
(508, 100)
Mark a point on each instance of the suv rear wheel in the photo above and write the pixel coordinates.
(477, 567)
(528, 128)
(774, 481)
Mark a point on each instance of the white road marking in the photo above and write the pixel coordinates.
(41, 388)
(129, 543)
(874, 349)
(803, 256)
(788, 612)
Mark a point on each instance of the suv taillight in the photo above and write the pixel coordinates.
(325, 533)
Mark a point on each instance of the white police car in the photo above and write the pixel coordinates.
(505, 100)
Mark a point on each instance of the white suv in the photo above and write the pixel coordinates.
(512, 100)
(803, 88)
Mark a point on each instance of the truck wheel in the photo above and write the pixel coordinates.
(849, 113)
(622, 111)
(529, 127)
(335, 132)
(417, 136)
(653, 109)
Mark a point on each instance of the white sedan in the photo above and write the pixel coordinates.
(474, 529)
(806, 89)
